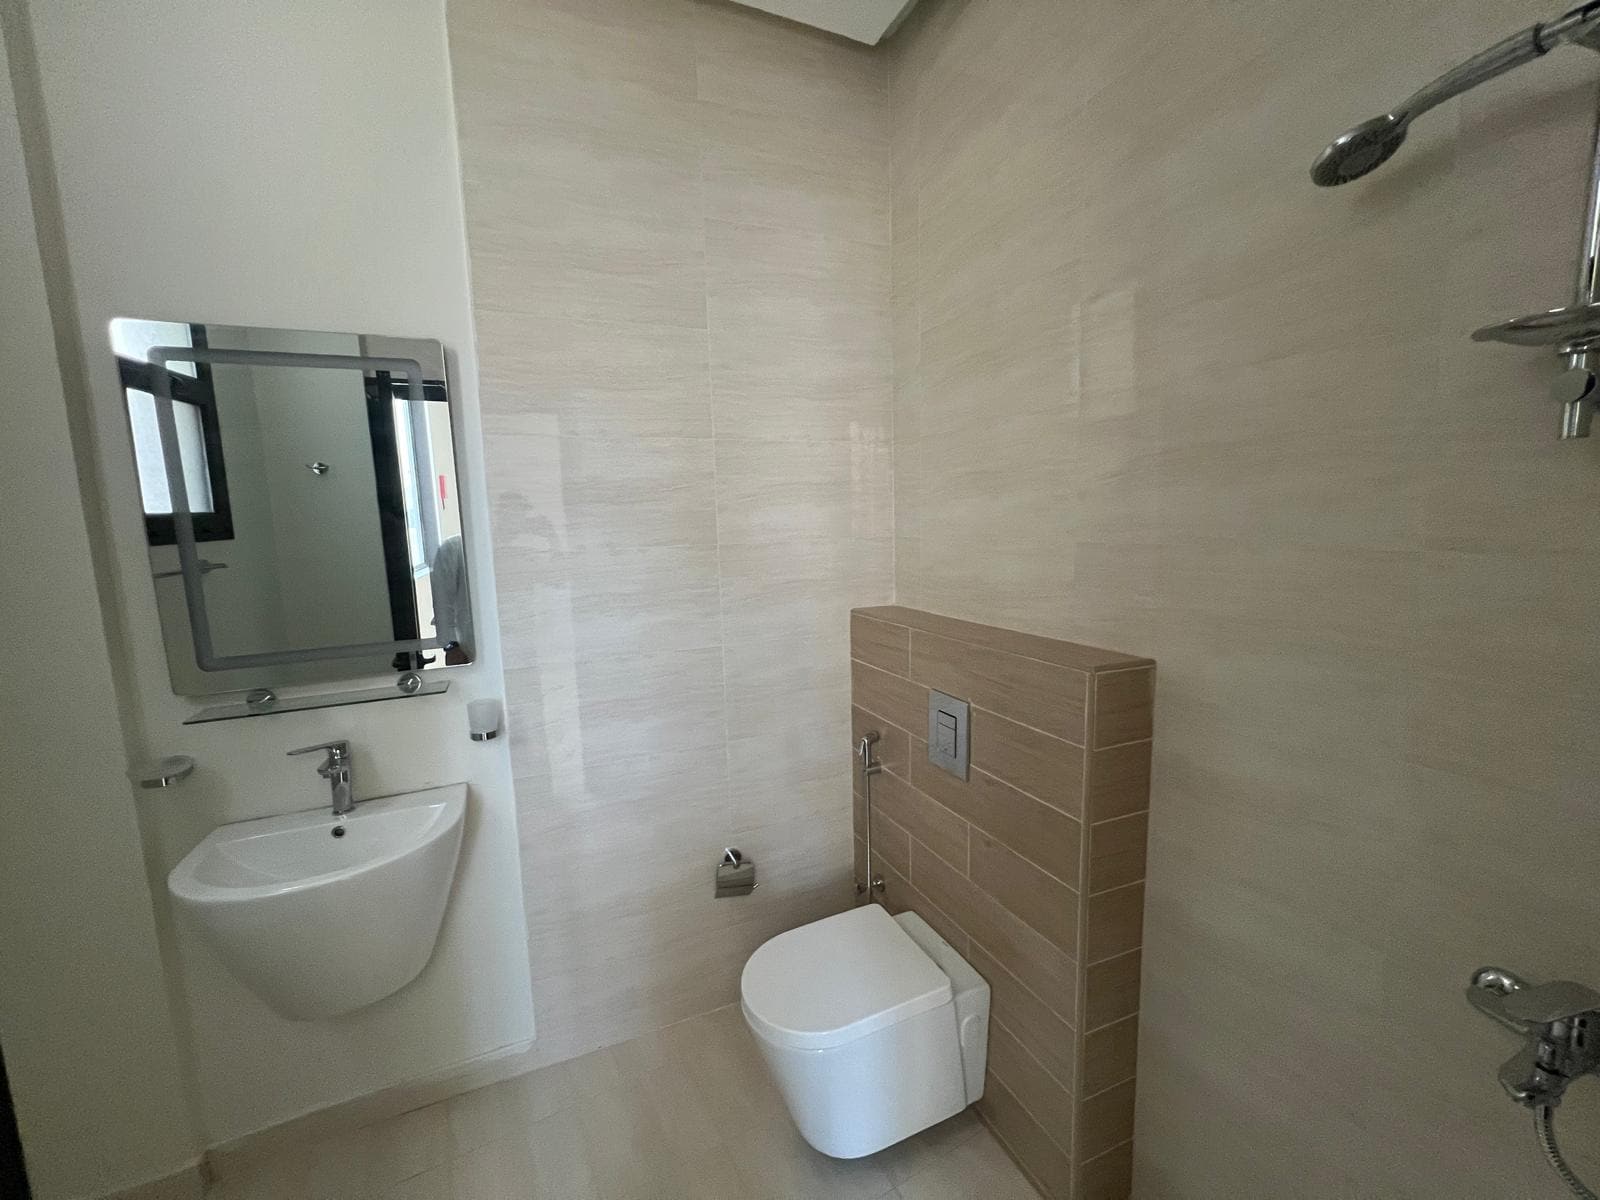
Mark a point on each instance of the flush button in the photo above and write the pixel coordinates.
(948, 726)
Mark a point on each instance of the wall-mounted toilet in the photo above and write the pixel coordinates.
(873, 1027)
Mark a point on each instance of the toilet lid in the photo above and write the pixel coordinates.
(838, 979)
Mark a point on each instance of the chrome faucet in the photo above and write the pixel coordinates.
(1561, 1024)
(336, 770)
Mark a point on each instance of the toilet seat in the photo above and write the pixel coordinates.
(839, 979)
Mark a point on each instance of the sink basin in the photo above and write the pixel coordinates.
(321, 915)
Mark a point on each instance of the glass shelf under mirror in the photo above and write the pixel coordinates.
(283, 704)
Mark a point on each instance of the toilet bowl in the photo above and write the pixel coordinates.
(873, 1027)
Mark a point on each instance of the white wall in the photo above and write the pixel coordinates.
(84, 1020)
(288, 164)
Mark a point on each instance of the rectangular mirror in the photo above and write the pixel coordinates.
(300, 502)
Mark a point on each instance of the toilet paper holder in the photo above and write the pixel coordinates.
(736, 875)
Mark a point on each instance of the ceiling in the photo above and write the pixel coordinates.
(863, 20)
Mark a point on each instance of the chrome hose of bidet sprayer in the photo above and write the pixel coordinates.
(1544, 1124)
(874, 883)
(1366, 147)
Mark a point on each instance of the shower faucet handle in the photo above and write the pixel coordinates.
(1547, 1003)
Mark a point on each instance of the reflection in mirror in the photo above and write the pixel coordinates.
(299, 500)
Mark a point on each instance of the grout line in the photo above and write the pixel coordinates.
(1018, 1038)
(1120, 886)
(1133, 1016)
(1120, 745)
(1108, 1088)
(1109, 1150)
(1120, 670)
(1109, 669)
(1143, 812)
(914, 682)
(1072, 1025)
(1080, 1039)
(1081, 818)
(1015, 1157)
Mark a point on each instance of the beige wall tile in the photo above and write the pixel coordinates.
(775, 490)
(681, 285)
(799, 587)
(552, 493)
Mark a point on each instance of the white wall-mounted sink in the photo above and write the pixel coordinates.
(320, 915)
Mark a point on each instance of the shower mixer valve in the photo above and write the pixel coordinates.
(1561, 1022)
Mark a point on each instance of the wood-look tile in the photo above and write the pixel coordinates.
(1109, 1055)
(1117, 852)
(892, 697)
(1043, 901)
(1043, 766)
(1009, 641)
(1044, 1161)
(889, 837)
(1105, 1120)
(891, 749)
(1124, 706)
(1108, 1176)
(1046, 1101)
(1047, 970)
(1047, 1034)
(1039, 832)
(1111, 990)
(881, 645)
(1116, 922)
(1024, 690)
(1119, 781)
(930, 822)
(899, 896)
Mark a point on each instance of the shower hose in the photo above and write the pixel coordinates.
(1544, 1124)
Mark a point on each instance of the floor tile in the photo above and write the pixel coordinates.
(689, 1112)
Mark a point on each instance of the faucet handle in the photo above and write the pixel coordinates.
(1546, 1003)
(337, 751)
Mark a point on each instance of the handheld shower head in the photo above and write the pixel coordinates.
(1369, 145)
(1355, 152)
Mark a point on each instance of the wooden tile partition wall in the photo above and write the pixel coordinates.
(1033, 868)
